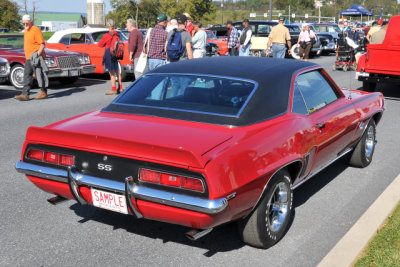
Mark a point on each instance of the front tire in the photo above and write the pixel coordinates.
(122, 71)
(362, 154)
(268, 222)
(17, 76)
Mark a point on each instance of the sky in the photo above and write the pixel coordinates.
(63, 5)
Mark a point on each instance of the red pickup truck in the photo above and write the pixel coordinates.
(381, 62)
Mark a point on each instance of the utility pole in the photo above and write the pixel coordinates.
(222, 9)
(270, 9)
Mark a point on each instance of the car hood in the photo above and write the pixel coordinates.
(180, 143)
(49, 52)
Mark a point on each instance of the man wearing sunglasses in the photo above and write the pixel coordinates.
(33, 42)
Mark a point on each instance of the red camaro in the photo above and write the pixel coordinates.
(204, 142)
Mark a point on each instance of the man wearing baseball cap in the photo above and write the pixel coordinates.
(33, 42)
(245, 39)
(278, 37)
(158, 36)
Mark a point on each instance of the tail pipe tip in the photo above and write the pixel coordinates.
(196, 234)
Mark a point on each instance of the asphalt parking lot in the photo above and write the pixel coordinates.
(36, 233)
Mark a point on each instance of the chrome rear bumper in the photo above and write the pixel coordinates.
(129, 188)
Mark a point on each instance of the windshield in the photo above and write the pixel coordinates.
(191, 93)
(11, 42)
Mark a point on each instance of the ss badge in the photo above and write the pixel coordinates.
(104, 167)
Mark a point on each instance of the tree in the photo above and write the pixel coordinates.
(10, 19)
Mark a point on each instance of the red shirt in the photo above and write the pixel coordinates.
(106, 39)
(135, 43)
(190, 28)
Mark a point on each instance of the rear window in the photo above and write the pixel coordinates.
(199, 94)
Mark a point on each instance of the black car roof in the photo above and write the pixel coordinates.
(271, 98)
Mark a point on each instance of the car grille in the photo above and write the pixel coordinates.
(68, 62)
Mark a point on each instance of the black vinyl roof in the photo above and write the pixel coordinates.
(271, 99)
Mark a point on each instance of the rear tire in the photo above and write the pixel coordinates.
(369, 86)
(266, 225)
(362, 154)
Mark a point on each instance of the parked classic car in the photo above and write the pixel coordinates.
(221, 43)
(63, 65)
(85, 40)
(381, 62)
(204, 142)
(328, 33)
(4, 69)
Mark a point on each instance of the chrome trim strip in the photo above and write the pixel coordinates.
(42, 172)
(179, 200)
(322, 168)
(75, 179)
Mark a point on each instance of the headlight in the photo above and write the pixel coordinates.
(50, 62)
(83, 60)
(4, 69)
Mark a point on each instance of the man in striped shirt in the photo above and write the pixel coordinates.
(233, 39)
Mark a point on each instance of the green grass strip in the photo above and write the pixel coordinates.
(384, 249)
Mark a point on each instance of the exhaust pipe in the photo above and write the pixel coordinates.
(56, 200)
(196, 234)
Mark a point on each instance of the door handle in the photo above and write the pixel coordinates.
(320, 125)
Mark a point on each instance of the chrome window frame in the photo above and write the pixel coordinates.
(256, 85)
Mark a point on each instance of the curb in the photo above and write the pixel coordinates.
(347, 251)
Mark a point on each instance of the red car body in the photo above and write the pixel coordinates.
(228, 161)
(222, 43)
(66, 66)
(381, 62)
(85, 40)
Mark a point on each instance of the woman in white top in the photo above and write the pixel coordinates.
(305, 42)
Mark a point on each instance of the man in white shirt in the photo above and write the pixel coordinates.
(199, 41)
(245, 39)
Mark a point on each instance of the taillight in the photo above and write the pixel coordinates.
(172, 180)
(51, 157)
(192, 184)
(35, 154)
(149, 176)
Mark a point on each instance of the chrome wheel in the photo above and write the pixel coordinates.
(370, 142)
(17, 76)
(277, 207)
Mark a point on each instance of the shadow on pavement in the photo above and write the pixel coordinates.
(6, 93)
(64, 93)
(319, 181)
(222, 239)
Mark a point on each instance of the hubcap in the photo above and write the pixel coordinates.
(370, 141)
(277, 207)
(18, 77)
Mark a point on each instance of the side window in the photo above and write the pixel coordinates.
(298, 105)
(316, 90)
(78, 38)
(66, 39)
(263, 30)
(97, 36)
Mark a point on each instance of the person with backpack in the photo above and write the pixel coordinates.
(179, 42)
(112, 42)
(156, 54)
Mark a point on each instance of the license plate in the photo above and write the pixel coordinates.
(73, 72)
(109, 201)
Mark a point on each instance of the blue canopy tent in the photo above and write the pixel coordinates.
(356, 10)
